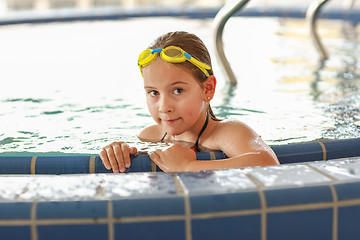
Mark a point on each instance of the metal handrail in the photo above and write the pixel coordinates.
(311, 16)
(349, 4)
(220, 20)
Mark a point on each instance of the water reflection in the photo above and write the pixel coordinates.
(315, 91)
(343, 102)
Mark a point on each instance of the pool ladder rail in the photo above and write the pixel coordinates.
(229, 9)
(220, 20)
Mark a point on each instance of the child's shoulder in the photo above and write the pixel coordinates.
(231, 124)
(233, 137)
(151, 133)
(232, 128)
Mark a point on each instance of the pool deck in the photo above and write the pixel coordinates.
(316, 200)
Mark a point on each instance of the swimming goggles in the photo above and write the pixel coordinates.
(170, 54)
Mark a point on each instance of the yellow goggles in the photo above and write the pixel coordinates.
(170, 54)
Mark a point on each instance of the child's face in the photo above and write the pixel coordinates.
(174, 97)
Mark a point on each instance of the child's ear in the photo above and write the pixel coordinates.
(209, 87)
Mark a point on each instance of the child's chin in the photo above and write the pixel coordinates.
(172, 132)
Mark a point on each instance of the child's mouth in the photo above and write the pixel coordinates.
(171, 121)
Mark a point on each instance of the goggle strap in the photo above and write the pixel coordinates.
(188, 56)
(199, 64)
(140, 71)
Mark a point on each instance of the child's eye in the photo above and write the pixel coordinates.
(153, 93)
(178, 91)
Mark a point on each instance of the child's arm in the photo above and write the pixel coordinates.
(179, 158)
(116, 156)
(238, 141)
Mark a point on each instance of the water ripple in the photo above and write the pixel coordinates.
(33, 100)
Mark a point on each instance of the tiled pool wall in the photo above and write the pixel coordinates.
(65, 163)
(315, 200)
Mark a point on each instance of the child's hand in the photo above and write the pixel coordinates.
(176, 158)
(116, 156)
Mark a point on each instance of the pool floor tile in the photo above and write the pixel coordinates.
(235, 227)
(72, 210)
(299, 225)
(348, 223)
(225, 202)
(347, 190)
(174, 230)
(73, 232)
(15, 210)
(15, 233)
(298, 195)
(148, 207)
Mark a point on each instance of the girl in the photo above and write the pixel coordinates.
(179, 85)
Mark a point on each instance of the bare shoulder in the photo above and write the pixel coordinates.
(237, 140)
(234, 137)
(152, 133)
(233, 128)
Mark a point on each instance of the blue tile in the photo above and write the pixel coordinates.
(343, 170)
(61, 165)
(298, 195)
(73, 232)
(300, 225)
(83, 209)
(207, 156)
(224, 202)
(148, 207)
(15, 165)
(15, 210)
(348, 222)
(221, 181)
(151, 230)
(140, 185)
(297, 153)
(341, 149)
(99, 166)
(347, 190)
(287, 175)
(238, 227)
(15, 233)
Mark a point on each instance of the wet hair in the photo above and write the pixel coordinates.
(193, 45)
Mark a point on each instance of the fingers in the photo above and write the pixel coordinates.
(133, 150)
(119, 157)
(116, 156)
(176, 158)
(110, 151)
(105, 159)
(125, 163)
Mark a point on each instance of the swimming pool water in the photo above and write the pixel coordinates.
(74, 87)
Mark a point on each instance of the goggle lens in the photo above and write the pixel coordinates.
(145, 54)
(173, 52)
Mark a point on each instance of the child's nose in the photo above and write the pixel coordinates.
(165, 105)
